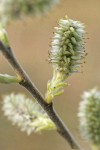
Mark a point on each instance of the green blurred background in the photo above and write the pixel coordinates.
(30, 40)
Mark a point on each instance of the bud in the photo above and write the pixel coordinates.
(28, 115)
(67, 53)
(5, 78)
(4, 36)
(89, 115)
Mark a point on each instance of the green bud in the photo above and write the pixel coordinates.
(5, 78)
(4, 36)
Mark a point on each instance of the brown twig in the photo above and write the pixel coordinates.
(27, 83)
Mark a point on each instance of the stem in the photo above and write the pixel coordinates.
(27, 83)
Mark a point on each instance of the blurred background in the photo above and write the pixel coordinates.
(30, 40)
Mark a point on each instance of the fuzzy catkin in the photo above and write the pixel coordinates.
(66, 55)
(67, 47)
(26, 114)
(89, 115)
(16, 9)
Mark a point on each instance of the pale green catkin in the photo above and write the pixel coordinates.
(26, 114)
(66, 55)
(89, 115)
(68, 46)
(17, 9)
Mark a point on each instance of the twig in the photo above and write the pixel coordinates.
(27, 83)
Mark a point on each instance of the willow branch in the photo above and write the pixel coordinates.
(27, 83)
